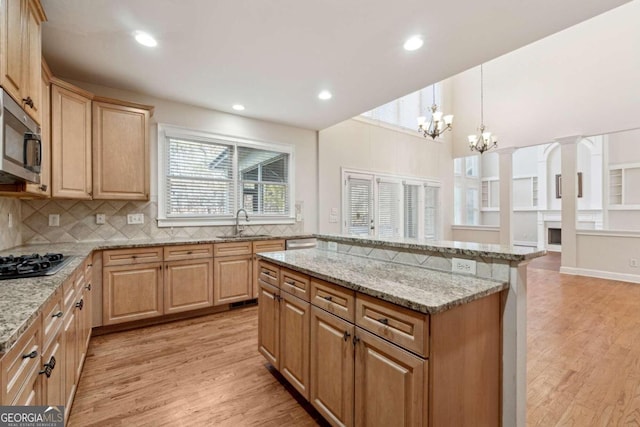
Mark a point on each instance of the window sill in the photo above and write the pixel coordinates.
(208, 222)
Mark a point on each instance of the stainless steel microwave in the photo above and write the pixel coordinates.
(20, 144)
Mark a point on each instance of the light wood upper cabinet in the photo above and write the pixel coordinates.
(20, 38)
(120, 150)
(70, 141)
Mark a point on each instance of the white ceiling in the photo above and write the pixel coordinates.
(275, 56)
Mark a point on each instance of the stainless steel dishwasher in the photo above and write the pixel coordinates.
(294, 244)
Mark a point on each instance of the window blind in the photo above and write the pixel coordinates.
(411, 211)
(431, 209)
(359, 205)
(199, 179)
(388, 209)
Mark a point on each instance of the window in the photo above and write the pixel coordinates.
(205, 178)
(390, 206)
(403, 112)
(473, 216)
(490, 193)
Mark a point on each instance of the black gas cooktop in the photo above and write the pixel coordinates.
(34, 265)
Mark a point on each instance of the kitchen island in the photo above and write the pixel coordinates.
(474, 342)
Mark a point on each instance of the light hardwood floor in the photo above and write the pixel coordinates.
(583, 365)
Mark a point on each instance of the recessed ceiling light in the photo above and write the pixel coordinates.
(238, 107)
(413, 43)
(145, 39)
(325, 94)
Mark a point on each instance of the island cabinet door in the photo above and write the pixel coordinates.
(294, 342)
(332, 367)
(269, 323)
(389, 383)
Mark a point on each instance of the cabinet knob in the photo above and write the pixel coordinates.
(88, 287)
(356, 340)
(80, 303)
(384, 321)
(58, 314)
(328, 298)
(346, 336)
(28, 101)
(43, 187)
(31, 355)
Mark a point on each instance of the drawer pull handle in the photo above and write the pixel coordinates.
(346, 336)
(384, 321)
(328, 298)
(291, 283)
(80, 303)
(189, 253)
(88, 287)
(48, 367)
(89, 265)
(31, 355)
(58, 314)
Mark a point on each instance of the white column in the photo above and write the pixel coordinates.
(569, 171)
(506, 195)
(514, 349)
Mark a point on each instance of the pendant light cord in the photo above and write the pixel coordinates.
(481, 97)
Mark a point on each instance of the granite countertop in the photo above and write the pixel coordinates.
(21, 300)
(509, 253)
(419, 289)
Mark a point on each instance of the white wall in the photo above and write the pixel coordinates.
(480, 234)
(580, 81)
(174, 113)
(359, 145)
(599, 254)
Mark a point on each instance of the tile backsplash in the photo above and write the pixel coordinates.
(78, 222)
(10, 236)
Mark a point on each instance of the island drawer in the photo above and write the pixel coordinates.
(268, 273)
(334, 299)
(407, 328)
(268, 246)
(21, 363)
(132, 256)
(232, 249)
(174, 253)
(295, 283)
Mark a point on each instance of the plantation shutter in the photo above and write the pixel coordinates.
(389, 208)
(359, 212)
(411, 211)
(199, 179)
(264, 181)
(431, 212)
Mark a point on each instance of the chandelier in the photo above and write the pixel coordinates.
(438, 124)
(484, 141)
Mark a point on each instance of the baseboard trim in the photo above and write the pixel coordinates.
(600, 274)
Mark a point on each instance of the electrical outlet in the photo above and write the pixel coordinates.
(101, 219)
(135, 218)
(332, 246)
(54, 220)
(333, 219)
(633, 262)
(467, 266)
(10, 220)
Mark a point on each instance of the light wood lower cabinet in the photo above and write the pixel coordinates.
(269, 323)
(53, 387)
(332, 366)
(70, 362)
(389, 383)
(188, 285)
(20, 367)
(263, 246)
(233, 277)
(132, 292)
(294, 342)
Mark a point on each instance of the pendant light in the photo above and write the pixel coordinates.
(485, 141)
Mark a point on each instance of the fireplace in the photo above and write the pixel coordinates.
(555, 236)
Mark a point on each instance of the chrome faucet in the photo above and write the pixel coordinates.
(239, 229)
